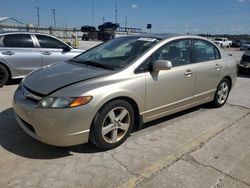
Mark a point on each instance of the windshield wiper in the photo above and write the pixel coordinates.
(93, 64)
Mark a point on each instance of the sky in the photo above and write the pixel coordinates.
(166, 16)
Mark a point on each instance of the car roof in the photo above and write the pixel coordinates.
(164, 36)
(21, 32)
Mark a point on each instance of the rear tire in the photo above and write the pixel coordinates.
(4, 75)
(112, 124)
(221, 94)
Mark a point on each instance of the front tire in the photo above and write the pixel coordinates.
(4, 75)
(221, 94)
(112, 124)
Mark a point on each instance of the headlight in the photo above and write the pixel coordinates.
(64, 102)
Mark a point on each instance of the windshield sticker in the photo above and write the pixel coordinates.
(147, 39)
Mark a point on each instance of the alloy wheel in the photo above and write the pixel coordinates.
(115, 125)
(222, 93)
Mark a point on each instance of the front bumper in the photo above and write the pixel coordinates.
(58, 127)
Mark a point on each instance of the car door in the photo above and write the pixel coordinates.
(19, 53)
(53, 50)
(209, 68)
(168, 91)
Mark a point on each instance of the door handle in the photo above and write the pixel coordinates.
(8, 53)
(217, 67)
(46, 53)
(188, 73)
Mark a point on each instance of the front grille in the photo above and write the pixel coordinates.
(246, 58)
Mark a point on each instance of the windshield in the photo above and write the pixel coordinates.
(117, 53)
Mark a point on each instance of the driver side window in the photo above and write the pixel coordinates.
(178, 52)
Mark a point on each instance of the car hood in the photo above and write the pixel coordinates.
(49, 79)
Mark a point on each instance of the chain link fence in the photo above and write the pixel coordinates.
(68, 35)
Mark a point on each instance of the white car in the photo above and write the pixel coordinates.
(23, 52)
(223, 42)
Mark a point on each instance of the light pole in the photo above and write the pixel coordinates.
(93, 13)
(38, 16)
(126, 22)
(54, 16)
(115, 11)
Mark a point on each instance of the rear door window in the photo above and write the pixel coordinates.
(205, 51)
(49, 42)
(18, 41)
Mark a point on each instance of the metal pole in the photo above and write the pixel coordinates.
(126, 22)
(54, 16)
(115, 11)
(38, 16)
(93, 13)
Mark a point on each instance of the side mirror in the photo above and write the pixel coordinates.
(162, 65)
(66, 48)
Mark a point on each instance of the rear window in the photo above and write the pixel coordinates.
(17, 41)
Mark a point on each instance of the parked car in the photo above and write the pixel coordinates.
(100, 95)
(237, 43)
(245, 62)
(245, 46)
(23, 52)
(223, 42)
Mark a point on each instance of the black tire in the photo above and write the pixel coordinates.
(217, 103)
(96, 131)
(4, 75)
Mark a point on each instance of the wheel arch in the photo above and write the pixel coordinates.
(230, 80)
(133, 103)
(8, 69)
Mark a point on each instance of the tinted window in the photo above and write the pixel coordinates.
(18, 40)
(49, 42)
(178, 52)
(205, 51)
